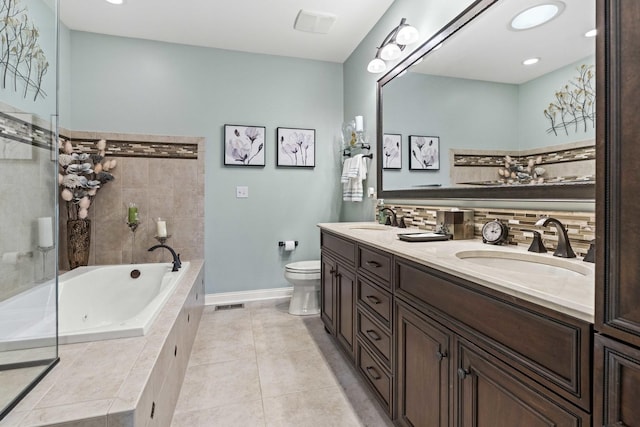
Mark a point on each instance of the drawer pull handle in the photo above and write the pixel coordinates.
(463, 373)
(373, 373)
(373, 299)
(332, 271)
(373, 335)
(373, 264)
(441, 355)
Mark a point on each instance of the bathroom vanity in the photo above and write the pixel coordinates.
(443, 340)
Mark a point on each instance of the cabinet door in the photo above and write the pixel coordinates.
(423, 370)
(490, 393)
(618, 184)
(346, 289)
(328, 293)
(617, 384)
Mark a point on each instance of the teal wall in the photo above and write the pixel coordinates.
(464, 113)
(138, 86)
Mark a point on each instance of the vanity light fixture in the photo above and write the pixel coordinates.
(591, 33)
(530, 61)
(393, 45)
(536, 15)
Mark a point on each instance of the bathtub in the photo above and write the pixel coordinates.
(106, 302)
(94, 303)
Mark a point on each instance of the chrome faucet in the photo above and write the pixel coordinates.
(564, 246)
(176, 257)
(394, 219)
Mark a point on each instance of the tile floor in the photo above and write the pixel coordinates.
(260, 366)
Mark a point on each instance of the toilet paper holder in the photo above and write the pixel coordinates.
(281, 243)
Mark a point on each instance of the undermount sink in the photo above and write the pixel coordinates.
(369, 227)
(525, 263)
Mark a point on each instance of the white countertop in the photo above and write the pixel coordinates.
(573, 296)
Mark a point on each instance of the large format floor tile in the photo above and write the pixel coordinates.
(260, 366)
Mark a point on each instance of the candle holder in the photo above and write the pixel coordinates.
(133, 226)
(44, 251)
(162, 240)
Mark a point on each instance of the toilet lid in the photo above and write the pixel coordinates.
(304, 267)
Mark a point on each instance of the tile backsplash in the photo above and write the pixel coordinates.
(580, 226)
(164, 177)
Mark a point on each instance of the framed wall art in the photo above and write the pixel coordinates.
(392, 151)
(244, 145)
(424, 152)
(296, 147)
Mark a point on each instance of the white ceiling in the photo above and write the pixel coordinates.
(258, 26)
(488, 50)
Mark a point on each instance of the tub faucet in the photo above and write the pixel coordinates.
(176, 257)
(564, 246)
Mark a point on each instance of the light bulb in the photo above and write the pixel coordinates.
(376, 65)
(407, 35)
(390, 52)
(530, 61)
(591, 33)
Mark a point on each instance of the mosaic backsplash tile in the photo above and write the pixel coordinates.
(144, 149)
(559, 156)
(581, 226)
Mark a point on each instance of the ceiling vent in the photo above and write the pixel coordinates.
(314, 22)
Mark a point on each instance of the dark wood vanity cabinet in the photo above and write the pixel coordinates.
(423, 369)
(438, 350)
(617, 319)
(338, 289)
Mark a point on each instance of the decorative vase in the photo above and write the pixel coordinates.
(78, 242)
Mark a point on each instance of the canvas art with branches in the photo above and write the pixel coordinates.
(22, 60)
(574, 107)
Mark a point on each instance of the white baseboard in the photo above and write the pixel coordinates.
(246, 296)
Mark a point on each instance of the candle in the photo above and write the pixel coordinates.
(359, 123)
(161, 228)
(45, 232)
(133, 214)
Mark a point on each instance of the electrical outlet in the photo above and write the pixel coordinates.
(242, 192)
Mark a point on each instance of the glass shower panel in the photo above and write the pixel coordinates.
(28, 195)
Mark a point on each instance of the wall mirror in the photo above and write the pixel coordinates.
(464, 117)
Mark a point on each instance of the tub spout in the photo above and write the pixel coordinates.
(176, 257)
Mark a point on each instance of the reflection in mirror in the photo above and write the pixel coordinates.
(28, 180)
(497, 122)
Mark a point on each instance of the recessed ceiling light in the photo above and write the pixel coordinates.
(530, 61)
(591, 33)
(115, 1)
(537, 15)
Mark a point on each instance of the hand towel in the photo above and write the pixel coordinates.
(354, 172)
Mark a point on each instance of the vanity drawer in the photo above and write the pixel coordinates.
(376, 300)
(375, 375)
(344, 248)
(377, 264)
(375, 336)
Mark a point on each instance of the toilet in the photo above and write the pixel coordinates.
(305, 278)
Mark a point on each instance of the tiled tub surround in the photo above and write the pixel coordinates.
(121, 382)
(572, 295)
(581, 226)
(571, 162)
(164, 177)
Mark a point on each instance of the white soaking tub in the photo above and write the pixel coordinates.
(106, 302)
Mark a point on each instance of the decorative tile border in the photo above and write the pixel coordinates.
(28, 133)
(146, 149)
(559, 156)
(581, 226)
